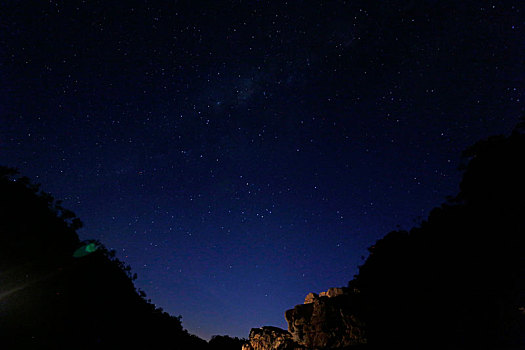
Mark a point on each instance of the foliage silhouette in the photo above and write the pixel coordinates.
(458, 280)
(224, 342)
(51, 300)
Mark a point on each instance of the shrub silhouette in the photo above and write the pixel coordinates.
(224, 342)
(457, 280)
(52, 300)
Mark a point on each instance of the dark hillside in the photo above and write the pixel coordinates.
(50, 299)
(457, 280)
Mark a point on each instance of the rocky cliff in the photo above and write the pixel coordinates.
(325, 321)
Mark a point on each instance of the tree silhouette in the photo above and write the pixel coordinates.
(458, 280)
(224, 342)
(51, 298)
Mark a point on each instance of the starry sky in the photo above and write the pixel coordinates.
(241, 154)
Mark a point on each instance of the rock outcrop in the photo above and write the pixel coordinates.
(333, 292)
(270, 338)
(325, 321)
(310, 297)
(330, 293)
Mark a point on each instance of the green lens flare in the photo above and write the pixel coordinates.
(91, 247)
(85, 250)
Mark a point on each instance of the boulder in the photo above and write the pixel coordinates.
(310, 297)
(333, 292)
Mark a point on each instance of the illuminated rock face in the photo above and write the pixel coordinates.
(310, 297)
(270, 338)
(333, 292)
(324, 321)
(330, 293)
(328, 321)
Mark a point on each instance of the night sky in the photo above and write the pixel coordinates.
(240, 154)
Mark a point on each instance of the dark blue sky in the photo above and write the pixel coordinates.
(240, 154)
